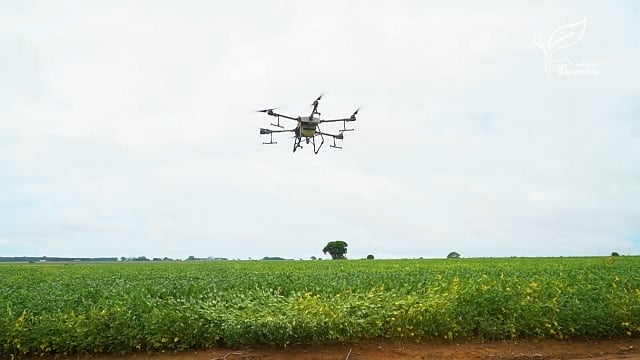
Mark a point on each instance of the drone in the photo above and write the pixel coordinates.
(307, 127)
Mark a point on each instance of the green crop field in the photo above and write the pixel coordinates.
(122, 307)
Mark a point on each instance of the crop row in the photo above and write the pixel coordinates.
(96, 308)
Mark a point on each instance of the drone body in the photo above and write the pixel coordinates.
(307, 127)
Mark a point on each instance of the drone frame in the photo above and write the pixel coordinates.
(309, 124)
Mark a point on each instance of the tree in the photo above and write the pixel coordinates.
(337, 249)
(453, 255)
(370, 257)
(615, 253)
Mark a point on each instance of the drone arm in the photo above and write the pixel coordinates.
(335, 136)
(272, 113)
(337, 120)
(339, 137)
(344, 122)
(269, 131)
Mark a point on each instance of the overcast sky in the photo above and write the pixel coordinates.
(127, 128)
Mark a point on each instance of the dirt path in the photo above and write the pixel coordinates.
(371, 350)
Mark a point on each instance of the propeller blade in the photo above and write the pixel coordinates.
(315, 102)
(267, 110)
(353, 116)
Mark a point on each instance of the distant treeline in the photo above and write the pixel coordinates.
(52, 259)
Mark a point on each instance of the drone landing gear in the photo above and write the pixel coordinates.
(312, 140)
(270, 133)
(314, 143)
(344, 125)
(335, 146)
(296, 144)
(278, 123)
(270, 140)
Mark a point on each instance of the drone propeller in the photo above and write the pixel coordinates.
(315, 102)
(266, 110)
(353, 116)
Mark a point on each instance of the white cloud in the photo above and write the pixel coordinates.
(131, 132)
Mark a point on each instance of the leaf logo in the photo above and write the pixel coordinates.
(561, 38)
